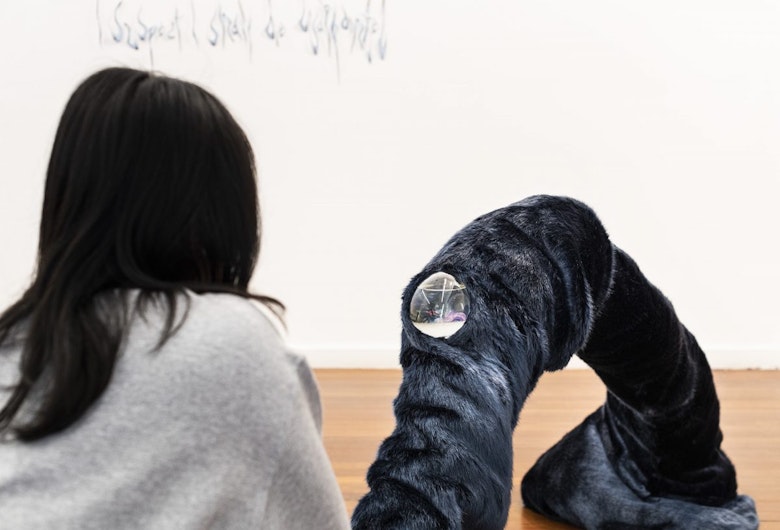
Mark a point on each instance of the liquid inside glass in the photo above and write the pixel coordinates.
(440, 305)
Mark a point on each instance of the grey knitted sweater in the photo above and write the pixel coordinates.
(220, 428)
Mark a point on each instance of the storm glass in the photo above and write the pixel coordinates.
(440, 305)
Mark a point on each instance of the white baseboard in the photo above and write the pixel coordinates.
(349, 355)
(378, 356)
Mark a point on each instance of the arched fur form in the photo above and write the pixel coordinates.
(546, 283)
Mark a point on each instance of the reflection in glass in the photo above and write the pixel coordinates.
(440, 305)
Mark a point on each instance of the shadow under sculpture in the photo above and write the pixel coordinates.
(545, 283)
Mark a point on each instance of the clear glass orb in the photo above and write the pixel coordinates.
(440, 305)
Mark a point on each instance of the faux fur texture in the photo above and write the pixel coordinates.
(546, 283)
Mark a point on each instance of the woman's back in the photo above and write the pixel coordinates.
(217, 428)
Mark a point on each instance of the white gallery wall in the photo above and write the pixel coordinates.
(413, 118)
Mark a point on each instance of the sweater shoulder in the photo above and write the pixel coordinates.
(225, 364)
(211, 325)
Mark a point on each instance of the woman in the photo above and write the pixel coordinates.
(143, 386)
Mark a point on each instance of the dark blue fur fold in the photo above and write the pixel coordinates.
(546, 283)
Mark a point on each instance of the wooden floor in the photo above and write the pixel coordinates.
(358, 416)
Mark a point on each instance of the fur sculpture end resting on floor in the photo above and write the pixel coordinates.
(544, 283)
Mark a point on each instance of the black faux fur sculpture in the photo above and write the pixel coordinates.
(545, 283)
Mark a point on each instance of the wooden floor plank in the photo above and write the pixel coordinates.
(358, 416)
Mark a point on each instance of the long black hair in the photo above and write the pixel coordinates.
(151, 186)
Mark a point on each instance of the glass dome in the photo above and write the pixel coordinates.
(440, 305)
